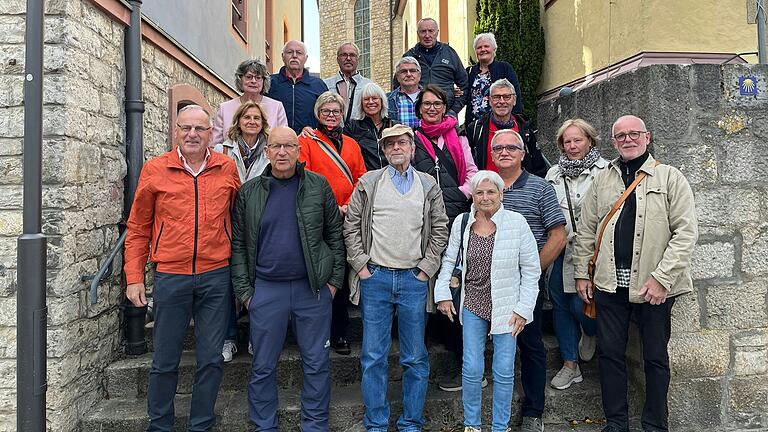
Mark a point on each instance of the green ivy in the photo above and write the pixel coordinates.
(520, 38)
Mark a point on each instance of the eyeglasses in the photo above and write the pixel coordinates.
(328, 112)
(435, 105)
(252, 77)
(408, 71)
(345, 55)
(505, 97)
(287, 147)
(510, 148)
(187, 128)
(401, 143)
(633, 135)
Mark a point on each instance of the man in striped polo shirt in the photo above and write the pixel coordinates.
(536, 200)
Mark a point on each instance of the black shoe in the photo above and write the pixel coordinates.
(341, 346)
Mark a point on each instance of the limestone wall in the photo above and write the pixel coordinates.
(700, 124)
(83, 172)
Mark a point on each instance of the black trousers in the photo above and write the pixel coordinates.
(613, 315)
(533, 361)
(339, 312)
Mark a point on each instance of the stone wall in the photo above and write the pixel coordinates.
(83, 172)
(717, 138)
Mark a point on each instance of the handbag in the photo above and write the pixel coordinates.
(456, 274)
(589, 308)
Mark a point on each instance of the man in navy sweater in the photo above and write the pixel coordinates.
(296, 88)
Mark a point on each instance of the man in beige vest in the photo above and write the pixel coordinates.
(395, 231)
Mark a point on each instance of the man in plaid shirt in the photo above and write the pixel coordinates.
(402, 99)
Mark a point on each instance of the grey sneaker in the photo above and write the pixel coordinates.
(453, 383)
(587, 347)
(229, 350)
(566, 377)
(532, 424)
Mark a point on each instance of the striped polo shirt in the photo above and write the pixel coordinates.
(535, 199)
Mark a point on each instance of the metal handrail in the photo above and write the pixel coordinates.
(105, 270)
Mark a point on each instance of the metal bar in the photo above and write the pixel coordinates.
(106, 268)
(761, 48)
(31, 312)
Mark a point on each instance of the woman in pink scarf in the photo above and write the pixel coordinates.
(441, 152)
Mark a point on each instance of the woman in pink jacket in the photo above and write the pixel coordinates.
(251, 78)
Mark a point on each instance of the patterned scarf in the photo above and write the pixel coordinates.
(446, 129)
(251, 155)
(334, 134)
(574, 168)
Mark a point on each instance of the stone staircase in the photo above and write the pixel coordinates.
(124, 410)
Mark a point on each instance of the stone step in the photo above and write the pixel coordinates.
(129, 377)
(442, 410)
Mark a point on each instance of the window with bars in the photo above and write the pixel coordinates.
(239, 18)
(363, 36)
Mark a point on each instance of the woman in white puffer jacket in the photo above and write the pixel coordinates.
(499, 284)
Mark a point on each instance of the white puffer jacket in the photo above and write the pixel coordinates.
(515, 268)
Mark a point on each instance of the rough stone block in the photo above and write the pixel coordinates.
(699, 355)
(11, 197)
(728, 206)
(7, 342)
(8, 374)
(63, 310)
(686, 314)
(755, 250)
(739, 306)
(101, 74)
(712, 260)
(742, 153)
(751, 353)
(67, 280)
(13, 7)
(705, 83)
(62, 371)
(10, 222)
(55, 29)
(7, 282)
(11, 90)
(696, 160)
(11, 146)
(12, 121)
(110, 104)
(55, 91)
(666, 102)
(695, 403)
(7, 311)
(748, 402)
(12, 60)
(55, 58)
(10, 169)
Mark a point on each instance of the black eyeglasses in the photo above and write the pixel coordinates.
(633, 135)
(509, 147)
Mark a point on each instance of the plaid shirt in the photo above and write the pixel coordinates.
(407, 111)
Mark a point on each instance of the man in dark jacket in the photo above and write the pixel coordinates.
(296, 88)
(440, 64)
(287, 263)
(480, 132)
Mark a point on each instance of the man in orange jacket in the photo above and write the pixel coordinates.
(180, 220)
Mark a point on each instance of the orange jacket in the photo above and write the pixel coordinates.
(181, 222)
(317, 160)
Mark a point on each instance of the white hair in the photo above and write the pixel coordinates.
(303, 45)
(485, 36)
(409, 60)
(352, 44)
(194, 107)
(625, 117)
(502, 132)
(486, 175)
(370, 89)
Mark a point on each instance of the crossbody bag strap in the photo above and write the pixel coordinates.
(614, 209)
(336, 158)
(570, 205)
(460, 254)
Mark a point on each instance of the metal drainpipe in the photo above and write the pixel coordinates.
(133, 317)
(31, 311)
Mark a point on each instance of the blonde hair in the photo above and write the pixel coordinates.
(585, 128)
(235, 131)
(330, 97)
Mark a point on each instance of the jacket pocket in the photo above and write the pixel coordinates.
(157, 240)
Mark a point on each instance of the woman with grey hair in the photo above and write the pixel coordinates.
(492, 263)
(487, 70)
(252, 79)
(369, 119)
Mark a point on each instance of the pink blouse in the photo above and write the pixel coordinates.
(223, 121)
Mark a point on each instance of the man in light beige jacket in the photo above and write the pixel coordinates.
(642, 265)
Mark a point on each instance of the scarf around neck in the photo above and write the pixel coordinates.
(334, 134)
(574, 168)
(249, 154)
(447, 129)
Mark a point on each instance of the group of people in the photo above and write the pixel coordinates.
(302, 195)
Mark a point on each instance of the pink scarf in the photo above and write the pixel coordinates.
(446, 129)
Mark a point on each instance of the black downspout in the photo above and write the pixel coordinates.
(31, 311)
(133, 316)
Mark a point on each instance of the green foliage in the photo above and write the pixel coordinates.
(520, 38)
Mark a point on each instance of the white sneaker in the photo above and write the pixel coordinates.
(566, 377)
(250, 348)
(471, 429)
(587, 347)
(229, 350)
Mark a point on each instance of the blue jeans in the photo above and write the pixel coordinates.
(385, 293)
(504, 346)
(567, 314)
(272, 305)
(177, 298)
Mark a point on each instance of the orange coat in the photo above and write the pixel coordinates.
(181, 223)
(318, 161)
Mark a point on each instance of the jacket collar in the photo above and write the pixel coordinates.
(282, 77)
(299, 170)
(649, 166)
(174, 161)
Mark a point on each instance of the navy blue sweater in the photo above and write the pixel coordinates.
(298, 98)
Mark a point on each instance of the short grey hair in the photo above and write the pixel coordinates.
(418, 23)
(502, 83)
(409, 60)
(352, 44)
(370, 89)
(485, 36)
(256, 66)
(502, 132)
(486, 175)
(303, 45)
(329, 97)
(193, 107)
(642, 122)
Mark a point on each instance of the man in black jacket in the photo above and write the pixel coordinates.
(440, 64)
(480, 132)
(287, 263)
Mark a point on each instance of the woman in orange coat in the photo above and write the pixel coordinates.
(336, 157)
(330, 153)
